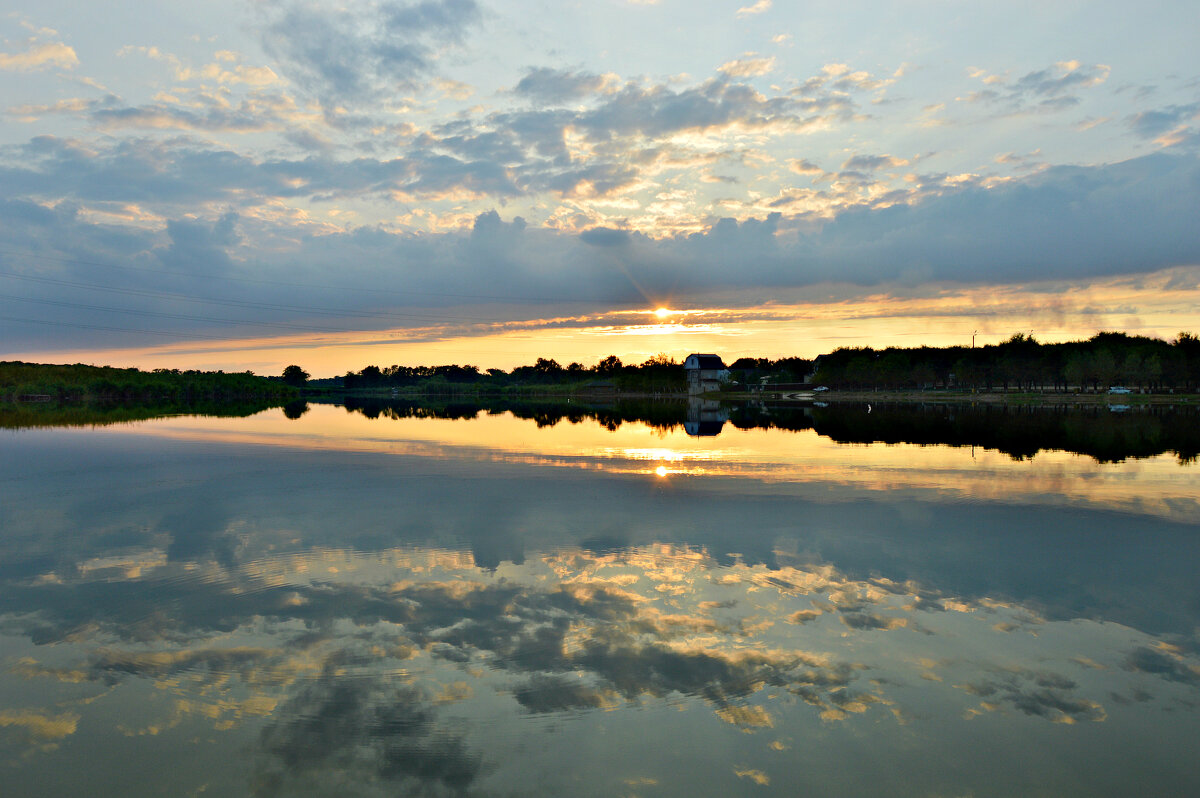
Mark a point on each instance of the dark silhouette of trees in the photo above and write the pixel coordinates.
(79, 382)
(609, 365)
(295, 376)
(1021, 364)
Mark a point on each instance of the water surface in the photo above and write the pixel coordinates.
(333, 602)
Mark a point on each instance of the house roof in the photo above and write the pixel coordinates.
(705, 362)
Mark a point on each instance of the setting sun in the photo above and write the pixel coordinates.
(663, 313)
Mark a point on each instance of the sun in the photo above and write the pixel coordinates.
(663, 313)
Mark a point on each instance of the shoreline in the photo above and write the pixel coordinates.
(951, 397)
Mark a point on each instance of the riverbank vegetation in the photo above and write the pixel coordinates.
(39, 382)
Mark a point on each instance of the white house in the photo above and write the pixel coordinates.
(704, 373)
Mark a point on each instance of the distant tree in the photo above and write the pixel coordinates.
(1104, 369)
(609, 364)
(660, 360)
(1187, 345)
(294, 375)
(1075, 373)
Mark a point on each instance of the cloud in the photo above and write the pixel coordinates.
(40, 56)
(838, 80)
(1054, 88)
(206, 113)
(758, 8)
(750, 65)
(1036, 693)
(544, 693)
(658, 111)
(1151, 124)
(1165, 664)
(134, 201)
(872, 163)
(1169, 126)
(71, 105)
(225, 69)
(200, 246)
(628, 134)
(604, 237)
(1064, 76)
(548, 85)
(802, 166)
(385, 733)
(366, 51)
(42, 730)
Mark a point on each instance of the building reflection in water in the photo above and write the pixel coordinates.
(705, 417)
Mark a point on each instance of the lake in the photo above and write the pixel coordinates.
(398, 599)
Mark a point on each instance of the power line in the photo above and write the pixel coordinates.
(182, 316)
(80, 262)
(112, 329)
(234, 302)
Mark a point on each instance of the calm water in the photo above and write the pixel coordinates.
(341, 605)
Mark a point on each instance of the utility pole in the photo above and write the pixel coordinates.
(973, 333)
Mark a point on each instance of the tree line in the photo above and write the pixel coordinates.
(79, 382)
(1022, 364)
(1019, 364)
(659, 373)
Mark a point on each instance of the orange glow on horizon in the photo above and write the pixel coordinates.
(1159, 305)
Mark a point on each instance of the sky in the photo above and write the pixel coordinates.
(244, 185)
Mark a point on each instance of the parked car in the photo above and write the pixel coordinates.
(1120, 389)
(820, 388)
